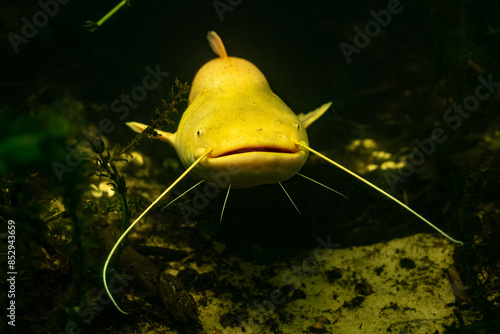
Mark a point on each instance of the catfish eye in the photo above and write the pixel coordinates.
(298, 126)
(199, 133)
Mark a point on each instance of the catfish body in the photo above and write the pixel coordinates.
(250, 132)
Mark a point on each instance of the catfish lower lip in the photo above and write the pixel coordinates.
(255, 149)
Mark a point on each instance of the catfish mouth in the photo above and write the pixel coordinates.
(248, 166)
(255, 149)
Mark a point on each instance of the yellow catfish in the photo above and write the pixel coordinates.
(236, 129)
(239, 124)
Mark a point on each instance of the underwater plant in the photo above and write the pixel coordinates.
(106, 162)
(93, 26)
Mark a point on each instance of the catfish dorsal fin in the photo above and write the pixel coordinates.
(216, 44)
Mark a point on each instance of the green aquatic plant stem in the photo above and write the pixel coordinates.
(121, 187)
(107, 168)
(122, 190)
(94, 25)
